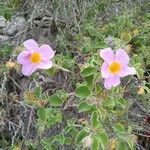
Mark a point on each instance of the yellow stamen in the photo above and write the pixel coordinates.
(35, 58)
(114, 67)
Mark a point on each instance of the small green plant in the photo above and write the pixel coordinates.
(7, 8)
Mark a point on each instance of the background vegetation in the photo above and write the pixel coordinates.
(62, 107)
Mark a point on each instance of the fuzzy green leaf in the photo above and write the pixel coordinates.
(126, 37)
(38, 91)
(61, 138)
(68, 141)
(83, 106)
(118, 128)
(89, 80)
(88, 71)
(130, 144)
(103, 138)
(82, 91)
(80, 136)
(121, 102)
(41, 113)
(122, 146)
(55, 100)
(95, 144)
(94, 120)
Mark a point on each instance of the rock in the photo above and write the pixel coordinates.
(19, 21)
(3, 38)
(2, 22)
(14, 26)
(11, 29)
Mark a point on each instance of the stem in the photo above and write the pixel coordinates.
(62, 68)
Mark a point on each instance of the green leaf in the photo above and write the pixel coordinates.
(89, 80)
(130, 129)
(6, 50)
(62, 94)
(118, 128)
(80, 136)
(50, 71)
(121, 102)
(126, 37)
(7, 14)
(83, 106)
(41, 127)
(55, 100)
(73, 132)
(94, 120)
(88, 71)
(148, 61)
(68, 128)
(110, 103)
(95, 144)
(52, 147)
(54, 118)
(103, 138)
(61, 138)
(82, 91)
(68, 141)
(140, 72)
(41, 113)
(102, 113)
(130, 144)
(122, 146)
(98, 89)
(38, 91)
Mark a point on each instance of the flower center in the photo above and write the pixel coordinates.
(114, 67)
(35, 58)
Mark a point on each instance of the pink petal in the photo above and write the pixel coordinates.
(30, 45)
(23, 57)
(28, 69)
(46, 52)
(104, 70)
(122, 57)
(107, 55)
(45, 65)
(126, 71)
(111, 81)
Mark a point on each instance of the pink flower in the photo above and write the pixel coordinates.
(34, 57)
(114, 67)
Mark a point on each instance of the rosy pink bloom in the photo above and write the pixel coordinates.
(34, 57)
(114, 67)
